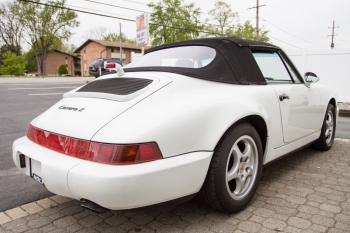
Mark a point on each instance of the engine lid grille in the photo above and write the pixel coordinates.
(116, 86)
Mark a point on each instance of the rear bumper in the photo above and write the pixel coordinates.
(111, 186)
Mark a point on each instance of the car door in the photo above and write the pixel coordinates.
(300, 108)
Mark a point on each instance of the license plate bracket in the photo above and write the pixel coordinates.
(35, 170)
(38, 179)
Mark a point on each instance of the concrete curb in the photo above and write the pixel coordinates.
(344, 112)
(344, 109)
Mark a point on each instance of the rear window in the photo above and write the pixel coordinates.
(185, 57)
(96, 63)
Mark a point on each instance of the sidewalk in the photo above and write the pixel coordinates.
(308, 191)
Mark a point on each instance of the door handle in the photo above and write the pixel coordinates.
(283, 97)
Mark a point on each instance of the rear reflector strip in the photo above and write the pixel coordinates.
(94, 151)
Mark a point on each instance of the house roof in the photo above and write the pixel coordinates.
(109, 44)
(59, 51)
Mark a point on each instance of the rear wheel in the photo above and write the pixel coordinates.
(235, 170)
(325, 141)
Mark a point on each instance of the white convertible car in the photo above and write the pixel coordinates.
(194, 117)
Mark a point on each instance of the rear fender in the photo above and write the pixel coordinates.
(182, 119)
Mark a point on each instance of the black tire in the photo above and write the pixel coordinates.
(220, 193)
(325, 141)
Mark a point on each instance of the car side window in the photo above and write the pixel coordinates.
(291, 71)
(272, 67)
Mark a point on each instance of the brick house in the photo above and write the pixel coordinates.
(94, 49)
(56, 58)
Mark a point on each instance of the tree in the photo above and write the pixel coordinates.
(11, 27)
(173, 21)
(31, 64)
(116, 37)
(223, 15)
(5, 48)
(97, 33)
(13, 64)
(62, 69)
(69, 48)
(248, 31)
(228, 24)
(44, 23)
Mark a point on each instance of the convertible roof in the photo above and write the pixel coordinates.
(214, 42)
(233, 62)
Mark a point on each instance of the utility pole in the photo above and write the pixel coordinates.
(257, 18)
(332, 44)
(120, 39)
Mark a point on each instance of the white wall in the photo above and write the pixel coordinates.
(332, 66)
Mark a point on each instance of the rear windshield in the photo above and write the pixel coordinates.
(186, 57)
(96, 63)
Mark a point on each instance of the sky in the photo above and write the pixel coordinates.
(292, 24)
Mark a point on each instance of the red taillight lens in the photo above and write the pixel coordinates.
(110, 65)
(124, 154)
(62, 144)
(94, 151)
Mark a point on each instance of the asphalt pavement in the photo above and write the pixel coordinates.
(21, 100)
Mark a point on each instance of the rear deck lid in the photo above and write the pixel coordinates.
(85, 110)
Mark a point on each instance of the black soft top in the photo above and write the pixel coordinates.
(233, 63)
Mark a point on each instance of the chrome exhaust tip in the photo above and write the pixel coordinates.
(93, 207)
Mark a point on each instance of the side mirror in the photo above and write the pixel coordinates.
(310, 77)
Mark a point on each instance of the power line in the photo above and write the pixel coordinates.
(130, 20)
(344, 33)
(105, 4)
(318, 35)
(345, 41)
(81, 11)
(285, 42)
(292, 34)
(78, 7)
(109, 16)
(135, 2)
(147, 4)
(298, 17)
(307, 11)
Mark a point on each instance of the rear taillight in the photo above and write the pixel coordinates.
(95, 151)
(123, 154)
(110, 65)
(62, 144)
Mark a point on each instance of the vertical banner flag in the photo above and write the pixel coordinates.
(142, 37)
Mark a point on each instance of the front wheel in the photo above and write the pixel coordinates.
(325, 141)
(234, 171)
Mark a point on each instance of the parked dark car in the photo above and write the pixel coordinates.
(106, 66)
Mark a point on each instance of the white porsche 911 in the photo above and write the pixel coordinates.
(193, 117)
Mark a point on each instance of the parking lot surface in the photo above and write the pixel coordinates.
(21, 100)
(308, 191)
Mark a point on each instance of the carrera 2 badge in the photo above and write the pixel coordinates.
(63, 107)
